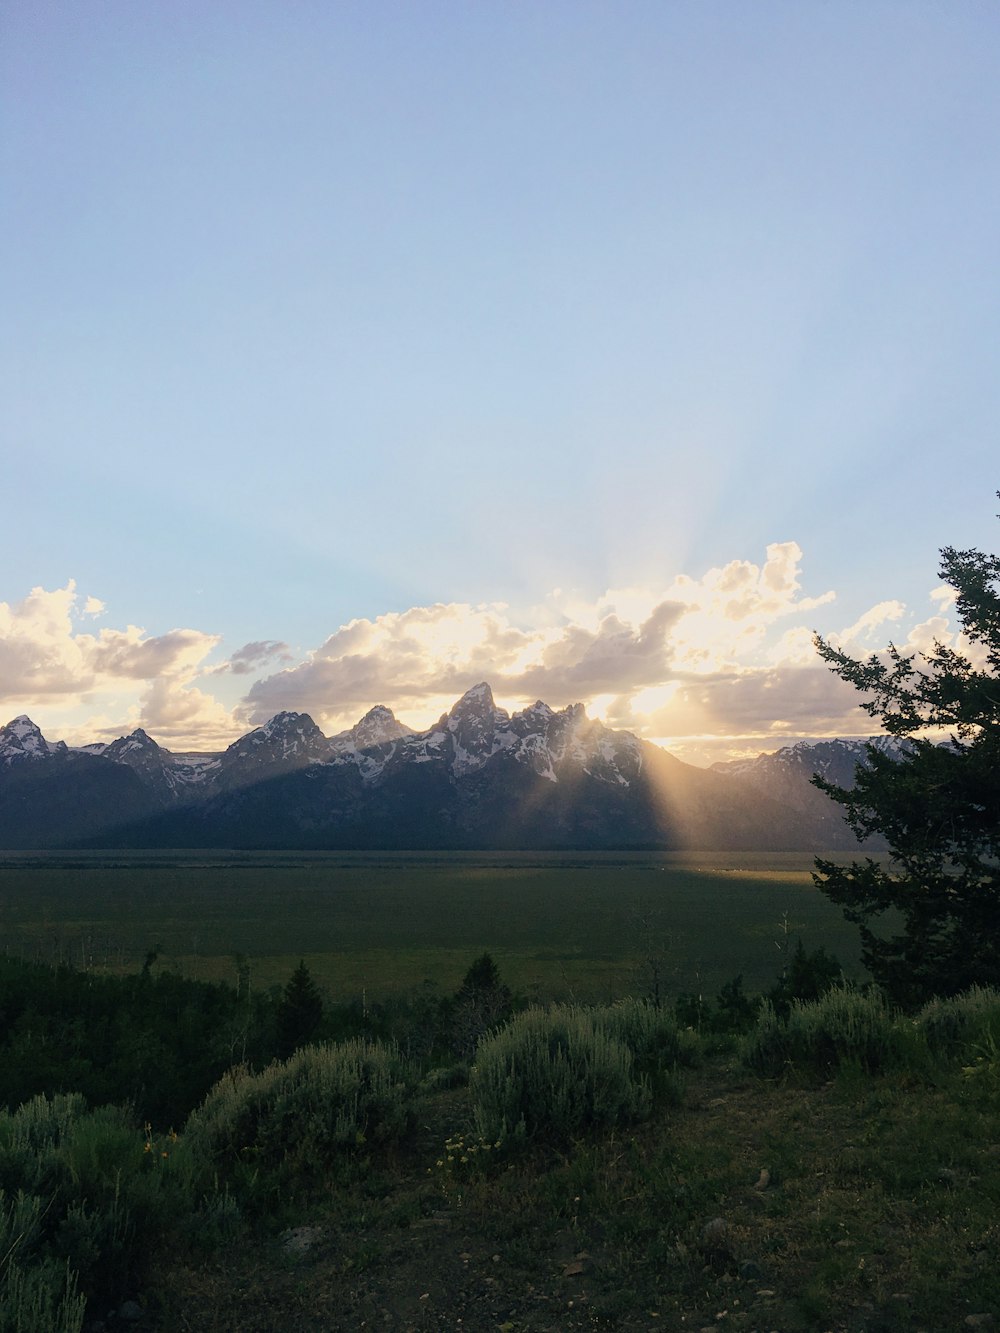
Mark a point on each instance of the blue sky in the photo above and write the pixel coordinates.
(354, 353)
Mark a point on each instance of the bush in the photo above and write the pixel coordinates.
(844, 1026)
(551, 1075)
(960, 1025)
(85, 1199)
(39, 1299)
(306, 1112)
(656, 1040)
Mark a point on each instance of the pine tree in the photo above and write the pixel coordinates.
(937, 803)
(299, 1013)
(483, 1000)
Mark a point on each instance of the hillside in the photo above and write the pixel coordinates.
(878, 1214)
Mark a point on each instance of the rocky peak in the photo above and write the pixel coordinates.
(288, 724)
(22, 740)
(472, 724)
(478, 700)
(285, 739)
(378, 727)
(136, 742)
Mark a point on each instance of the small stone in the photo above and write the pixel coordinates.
(763, 1180)
(750, 1272)
(130, 1311)
(714, 1233)
(979, 1321)
(299, 1240)
(574, 1269)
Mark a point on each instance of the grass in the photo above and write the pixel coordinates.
(583, 927)
(877, 1212)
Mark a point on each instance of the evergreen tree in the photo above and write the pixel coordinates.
(299, 1013)
(937, 803)
(483, 1000)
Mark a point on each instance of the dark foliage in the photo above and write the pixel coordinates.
(937, 805)
(158, 1042)
(483, 1001)
(299, 1013)
(806, 977)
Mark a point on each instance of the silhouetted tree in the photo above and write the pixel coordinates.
(483, 1000)
(299, 1013)
(937, 805)
(806, 976)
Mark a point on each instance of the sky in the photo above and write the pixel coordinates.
(356, 353)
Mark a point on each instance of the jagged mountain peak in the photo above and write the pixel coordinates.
(22, 739)
(539, 707)
(479, 699)
(284, 722)
(136, 741)
(379, 726)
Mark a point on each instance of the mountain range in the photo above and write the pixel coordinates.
(480, 778)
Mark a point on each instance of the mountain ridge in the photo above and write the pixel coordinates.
(479, 777)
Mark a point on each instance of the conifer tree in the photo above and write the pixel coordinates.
(936, 803)
(300, 1011)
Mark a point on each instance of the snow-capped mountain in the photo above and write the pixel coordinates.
(287, 741)
(480, 777)
(22, 742)
(787, 773)
(168, 776)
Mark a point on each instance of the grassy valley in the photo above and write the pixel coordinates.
(585, 926)
(494, 1163)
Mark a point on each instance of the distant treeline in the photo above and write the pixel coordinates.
(159, 1041)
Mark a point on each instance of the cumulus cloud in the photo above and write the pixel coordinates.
(863, 629)
(686, 657)
(47, 661)
(724, 662)
(252, 656)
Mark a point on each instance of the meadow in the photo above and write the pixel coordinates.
(585, 927)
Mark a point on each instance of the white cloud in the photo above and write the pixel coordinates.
(724, 660)
(863, 629)
(252, 656)
(668, 660)
(129, 678)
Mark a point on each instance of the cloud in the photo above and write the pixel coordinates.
(865, 626)
(724, 661)
(705, 642)
(46, 663)
(252, 656)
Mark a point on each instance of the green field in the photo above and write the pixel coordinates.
(583, 926)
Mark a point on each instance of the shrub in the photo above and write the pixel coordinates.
(39, 1299)
(553, 1074)
(656, 1040)
(85, 1197)
(843, 1026)
(305, 1112)
(961, 1024)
